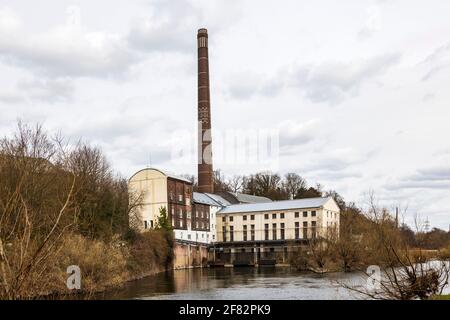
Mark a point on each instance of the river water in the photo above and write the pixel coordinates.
(240, 283)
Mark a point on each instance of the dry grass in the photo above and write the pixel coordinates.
(151, 252)
(102, 264)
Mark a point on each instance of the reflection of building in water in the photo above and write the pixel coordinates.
(193, 280)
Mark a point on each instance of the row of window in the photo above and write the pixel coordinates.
(274, 231)
(148, 224)
(252, 217)
(201, 224)
(189, 236)
(331, 214)
(252, 233)
(274, 216)
(172, 197)
(201, 215)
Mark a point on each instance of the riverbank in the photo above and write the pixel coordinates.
(106, 265)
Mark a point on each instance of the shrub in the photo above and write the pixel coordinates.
(152, 250)
(102, 264)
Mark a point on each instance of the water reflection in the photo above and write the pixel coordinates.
(239, 283)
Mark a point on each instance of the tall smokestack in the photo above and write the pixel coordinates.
(205, 168)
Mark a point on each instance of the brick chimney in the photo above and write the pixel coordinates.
(205, 166)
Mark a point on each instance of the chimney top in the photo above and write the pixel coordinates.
(202, 32)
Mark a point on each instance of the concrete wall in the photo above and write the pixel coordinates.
(153, 185)
(190, 255)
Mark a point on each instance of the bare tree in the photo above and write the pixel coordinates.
(320, 254)
(404, 274)
(36, 210)
(292, 184)
(219, 181)
(236, 183)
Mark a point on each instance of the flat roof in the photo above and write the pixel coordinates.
(276, 205)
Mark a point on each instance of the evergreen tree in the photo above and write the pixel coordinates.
(163, 220)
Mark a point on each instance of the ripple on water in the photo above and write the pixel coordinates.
(241, 284)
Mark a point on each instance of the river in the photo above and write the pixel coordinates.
(240, 283)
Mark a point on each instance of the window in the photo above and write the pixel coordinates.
(305, 230)
(231, 233)
(274, 231)
(151, 223)
(266, 216)
(305, 214)
(180, 197)
(266, 231)
(274, 215)
(282, 231)
(224, 219)
(252, 232)
(145, 224)
(281, 215)
(313, 229)
(252, 217)
(297, 230)
(297, 214)
(171, 195)
(224, 234)
(244, 236)
(244, 218)
(313, 213)
(181, 213)
(231, 218)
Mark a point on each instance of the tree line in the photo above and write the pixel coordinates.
(269, 184)
(62, 204)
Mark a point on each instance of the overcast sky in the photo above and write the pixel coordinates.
(359, 90)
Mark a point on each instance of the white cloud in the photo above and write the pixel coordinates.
(66, 50)
(295, 67)
(9, 20)
(437, 61)
(330, 82)
(335, 81)
(39, 89)
(372, 24)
